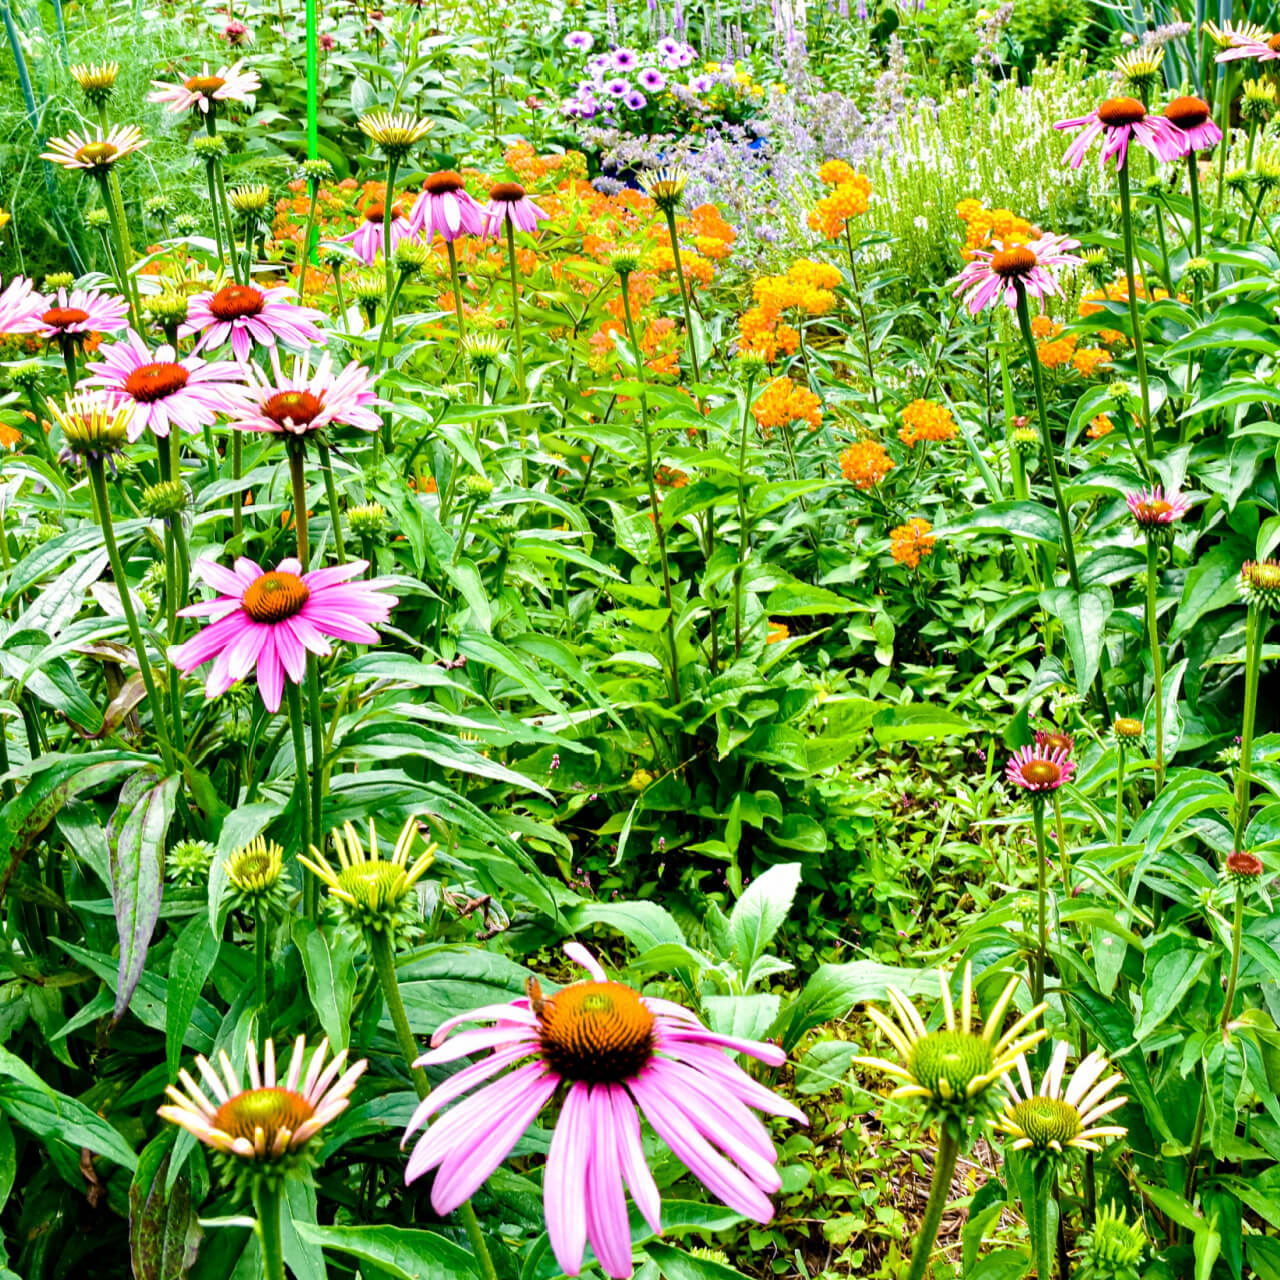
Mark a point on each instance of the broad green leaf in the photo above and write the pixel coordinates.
(643, 924)
(56, 1118)
(1172, 968)
(164, 1233)
(1017, 519)
(835, 989)
(759, 913)
(1084, 617)
(330, 968)
(405, 1253)
(676, 1264)
(916, 722)
(192, 961)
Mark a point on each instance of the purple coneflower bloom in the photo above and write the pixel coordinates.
(509, 202)
(305, 399)
(165, 391)
(366, 240)
(994, 275)
(652, 79)
(227, 84)
(20, 307)
(1242, 46)
(1195, 129)
(618, 1054)
(80, 313)
(582, 40)
(635, 100)
(1152, 507)
(271, 620)
(445, 208)
(1118, 121)
(247, 314)
(1040, 768)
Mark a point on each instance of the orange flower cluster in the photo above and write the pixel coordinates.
(806, 288)
(1100, 426)
(778, 631)
(1056, 349)
(865, 463)
(985, 225)
(782, 403)
(670, 477)
(1118, 291)
(926, 420)
(910, 542)
(705, 238)
(849, 198)
(659, 341)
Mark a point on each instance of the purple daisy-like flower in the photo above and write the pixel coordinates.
(366, 240)
(1154, 508)
(616, 1055)
(1260, 50)
(652, 79)
(1040, 768)
(73, 316)
(21, 307)
(580, 40)
(271, 620)
(445, 208)
(166, 392)
(1119, 121)
(206, 90)
(249, 315)
(996, 275)
(1194, 126)
(509, 202)
(635, 100)
(305, 400)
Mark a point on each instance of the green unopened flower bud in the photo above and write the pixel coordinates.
(250, 201)
(1127, 729)
(1230, 754)
(751, 361)
(46, 531)
(1242, 869)
(1266, 172)
(335, 256)
(505, 524)
(477, 487)
(186, 224)
(1260, 582)
(189, 862)
(1112, 1250)
(1239, 181)
(482, 350)
(315, 170)
(1198, 271)
(99, 219)
(368, 287)
(410, 257)
(167, 308)
(164, 499)
(625, 261)
(369, 520)
(1259, 100)
(159, 207)
(209, 147)
(1123, 394)
(56, 280)
(28, 376)
(1024, 440)
(256, 875)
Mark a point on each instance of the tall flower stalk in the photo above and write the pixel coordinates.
(1260, 586)
(665, 189)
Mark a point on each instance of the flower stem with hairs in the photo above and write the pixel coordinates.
(123, 251)
(1139, 347)
(304, 245)
(331, 496)
(1157, 657)
(1042, 915)
(456, 281)
(862, 318)
(944, 1167)
(744, 522)
(684, 292)
(302, 787)
(297, 451)
(388, 215)
(1252, 663)
(267, 1208)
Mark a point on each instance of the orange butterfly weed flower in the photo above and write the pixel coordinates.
(912, 541)
(865, 463)
(782, 403)
(926, 420)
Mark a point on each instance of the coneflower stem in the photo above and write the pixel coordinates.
(1135, 322)
(1237, 929)
(119, 236)
(317, 746)
(944, 1168)
(388, 215)
(519, 344)
(1193, 178)
(1157, 657)
(1120, 792)
(98, 480)
(744, 524)
(304, 248)
(384, 963)
(669, 210)
(331, 496)
(388, 320)
(237, 498)
(1224, 125)
(1064, 856)
(266, 1206)
(297, 452)
(260, 954)
(457, 289)
(302, 786)
(1046, 440)
(212, 183)
(654, 506)
(1252, 662)
(1042, 917)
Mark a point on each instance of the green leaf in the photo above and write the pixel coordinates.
(759, 913)
(1171, 971)
(137, 879)
(56, 1118)
(1084, 617)
(402, 1252)
(676, 1264)
(643, 924)
(164, 1233)
(192, 961)
(800, 599)
(916, 722)
(835, 988)
(329, 965)
(1018, 519)
(1226, 333)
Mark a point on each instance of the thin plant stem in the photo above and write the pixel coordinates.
(266, 1206)
(98, 480)
(237, 498)
(1046, 440)
(944, 1167)
(212, 183)
(331, 496)
(684, 293)
(384, 963)
(1193, 179)
(1252, 662)
(1042, 914)
(1224, 125)
(1064, 855)
(1237, 927)
(118, 235)
(744, 524)
(302, 786)
(654, 507)
(456, 281)
(388, 320)
(862, 318)
(1157, 657)
(515, 313)
(388, 215)
(304, 251)
(317, 745)
(260, 955)
(1135, 321)
(297, 451)
(1120, 792)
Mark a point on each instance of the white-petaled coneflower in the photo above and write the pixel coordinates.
(93, 424)
(95, 154)
(665, 187)
(394, 132)
(375, 894)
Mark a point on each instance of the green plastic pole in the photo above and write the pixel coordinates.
(313, 91)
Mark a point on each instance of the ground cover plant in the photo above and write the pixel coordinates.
(639, 639)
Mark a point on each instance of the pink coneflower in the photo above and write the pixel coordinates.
(20, 307)
(995, 275)
(366, 240)
(305, 400)
(1195, 128)
(96, 154)
(1118, 121)
(166, 391)
(614, 1051)
(1052, 740)
(80, 313)
(327, 42)
(274, 1117)
(508, 202)
(236, 34)
(270, 620)
(246, 315)
(1262, 48)
(1040, 769)
(204, 91)
(1153, 507)
(445, 208)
